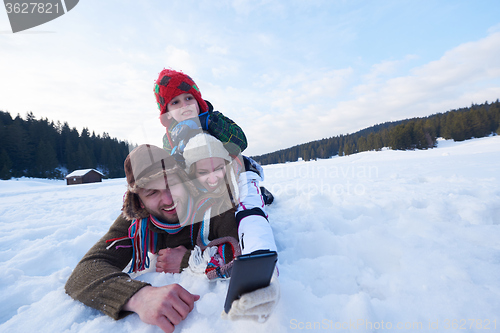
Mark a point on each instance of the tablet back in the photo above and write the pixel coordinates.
(250, 272)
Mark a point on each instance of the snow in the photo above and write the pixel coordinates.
(372, 242)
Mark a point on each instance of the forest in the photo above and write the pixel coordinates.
(43, 149)
(417, 133)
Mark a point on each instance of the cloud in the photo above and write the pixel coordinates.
(246, 7)
(268, 65)
(295, 108)
(468, 73)
(217, 49)
(180, 59)
(387, 68)
(456, 72)
(103, 91)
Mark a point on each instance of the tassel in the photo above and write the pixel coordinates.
(143, 242)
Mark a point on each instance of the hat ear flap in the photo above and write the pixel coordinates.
(132, 207)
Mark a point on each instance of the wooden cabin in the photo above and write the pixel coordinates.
(84, 176)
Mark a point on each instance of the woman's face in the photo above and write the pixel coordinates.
(210, 172)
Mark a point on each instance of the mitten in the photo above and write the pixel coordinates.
(219, 265)
(256, 305)
(199, 259)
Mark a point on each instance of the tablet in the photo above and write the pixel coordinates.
(250, 272)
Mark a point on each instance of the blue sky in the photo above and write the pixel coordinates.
(287, 71)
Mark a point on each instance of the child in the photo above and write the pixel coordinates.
(185, 114)
(183, 110)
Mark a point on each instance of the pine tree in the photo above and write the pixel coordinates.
(362, 144)
(16, 145)
(46, 161)
(459, 127)
(5, 165)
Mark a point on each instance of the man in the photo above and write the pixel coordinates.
(157, 187)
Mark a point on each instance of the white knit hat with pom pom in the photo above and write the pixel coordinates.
(203, 146)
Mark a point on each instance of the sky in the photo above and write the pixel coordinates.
(287, 71)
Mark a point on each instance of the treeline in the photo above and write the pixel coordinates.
(44, 149)
(417, 133)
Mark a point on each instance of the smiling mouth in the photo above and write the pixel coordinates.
(188, 110)
(171, 208)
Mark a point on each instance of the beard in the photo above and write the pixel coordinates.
(170, 214)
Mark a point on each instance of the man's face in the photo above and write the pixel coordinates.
(168, 201)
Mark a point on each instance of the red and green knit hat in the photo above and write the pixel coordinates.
(170, 84)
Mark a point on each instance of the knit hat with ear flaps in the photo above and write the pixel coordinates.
(143, 165)
(170, 84)
(203, 146)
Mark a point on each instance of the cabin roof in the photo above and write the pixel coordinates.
(81, 173)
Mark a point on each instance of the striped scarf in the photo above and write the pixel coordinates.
(145, 240)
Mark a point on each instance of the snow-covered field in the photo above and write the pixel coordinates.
(373, 242)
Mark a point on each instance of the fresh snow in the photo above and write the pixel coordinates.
(372, 242)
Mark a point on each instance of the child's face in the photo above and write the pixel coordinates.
(182, 107)
(210, 172)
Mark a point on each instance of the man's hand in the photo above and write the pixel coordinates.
(164, 306)
(169, 259)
